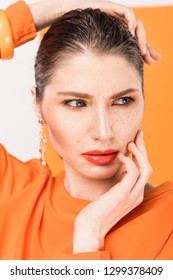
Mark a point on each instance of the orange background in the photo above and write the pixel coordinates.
(158, 119)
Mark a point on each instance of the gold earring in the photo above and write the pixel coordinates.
(42, 148)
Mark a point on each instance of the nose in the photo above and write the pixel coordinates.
(101, 128)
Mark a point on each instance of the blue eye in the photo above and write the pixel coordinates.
(75, 103)
(124, 101)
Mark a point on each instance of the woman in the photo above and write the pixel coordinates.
(89, 92)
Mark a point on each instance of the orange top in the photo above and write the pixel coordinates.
(37, 218)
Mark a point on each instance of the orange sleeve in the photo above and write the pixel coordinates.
(99, 255)
(9, 168)
(21, 22)
(15, 175)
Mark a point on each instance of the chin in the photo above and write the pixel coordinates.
(102, 172)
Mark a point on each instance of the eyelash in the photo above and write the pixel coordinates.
(130, 100)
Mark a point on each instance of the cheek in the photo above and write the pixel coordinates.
(127, 126)
(59, 130)
(63, 131)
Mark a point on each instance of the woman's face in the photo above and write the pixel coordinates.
(93, 103)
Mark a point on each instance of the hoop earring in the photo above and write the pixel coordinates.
(42, 148)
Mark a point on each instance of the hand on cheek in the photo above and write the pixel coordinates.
(140, 158)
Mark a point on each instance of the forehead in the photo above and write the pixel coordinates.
(89, 72)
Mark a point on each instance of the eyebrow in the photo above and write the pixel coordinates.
(86, 95)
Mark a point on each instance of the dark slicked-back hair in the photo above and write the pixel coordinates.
(79, 31)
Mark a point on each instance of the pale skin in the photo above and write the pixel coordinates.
(46, 11)
(99, 120)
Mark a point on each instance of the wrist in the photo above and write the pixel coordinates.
(85, 242)
(86, 238)
(45, 12)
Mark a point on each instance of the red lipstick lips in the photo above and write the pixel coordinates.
(100, 157)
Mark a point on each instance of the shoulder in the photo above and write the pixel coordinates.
(159, 202)
(161, 191)
(16, 175)
(11, 163)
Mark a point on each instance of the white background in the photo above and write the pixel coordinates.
(18, 124)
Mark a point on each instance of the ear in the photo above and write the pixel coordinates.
(36, 104)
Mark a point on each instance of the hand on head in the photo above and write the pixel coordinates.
(53, 8)
(135, 25)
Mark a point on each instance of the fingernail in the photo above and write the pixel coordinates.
(144, 50)
(141, 133)
(151, 60)
(133, 144)
(121, 155)
(133, 32)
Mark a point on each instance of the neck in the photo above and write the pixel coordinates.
(86, 188)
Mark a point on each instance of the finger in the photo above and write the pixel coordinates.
(125, 12)
(148, 53)
(145, 168)
(141, 157)
(136, 187)
(138, 190)
(135, 26)
(155, 55)
(151, 55)
(141, 37)
(122, 176)
(131, 19)
(131, 174)
(147, 58)
(139, 141)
